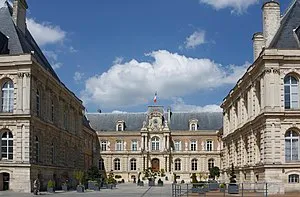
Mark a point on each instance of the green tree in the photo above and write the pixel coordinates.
(232, 175)
(93, 173)
(214, 172)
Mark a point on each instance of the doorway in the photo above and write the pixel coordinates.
(155, 165)
(4, 181)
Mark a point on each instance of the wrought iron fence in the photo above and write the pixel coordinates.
(220, 189)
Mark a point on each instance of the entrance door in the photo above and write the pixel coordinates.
(5, 182)
(155, 165)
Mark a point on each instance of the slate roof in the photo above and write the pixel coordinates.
(20, 43)
(285, 38)
(134, 121)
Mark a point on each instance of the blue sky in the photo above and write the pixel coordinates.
(115, 54)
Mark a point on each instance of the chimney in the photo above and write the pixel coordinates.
(169, 115)
(271, 20)
(258, 44)
(19, 14)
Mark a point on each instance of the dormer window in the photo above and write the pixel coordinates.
(193, 125)
(120, 125)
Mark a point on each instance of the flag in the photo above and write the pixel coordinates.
(155, 97)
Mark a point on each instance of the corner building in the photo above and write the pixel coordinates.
(41, 122)
(262, 112)
(180, 143)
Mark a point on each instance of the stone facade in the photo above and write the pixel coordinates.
(261, 113)
(157, 146)
(42, 127)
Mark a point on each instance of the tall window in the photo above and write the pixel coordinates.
(194, 164)
(132, 164)
(294, 178)
(120, 127)
(155, 143)
(7, 145)
(177, 146)
(193, 127)
(211, 163)
(103, 145)
(291, 146)
(65, 117)
(117, 164)
(209, 145)
(52, 110)
(119, 145)
(291, 93)
(8, 97)
(101, 164)
(193, 145)
(37, 149)
(38, 102)
(134, 145)
(52, 153)
(177, 164)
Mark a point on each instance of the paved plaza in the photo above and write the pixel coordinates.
(125, 190)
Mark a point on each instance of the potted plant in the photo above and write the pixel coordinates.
(51, 186)
(222, 187)
(111, 182)
(233, 188)
(94, 177)
(160, 183)
(151, 176)
(79, 176)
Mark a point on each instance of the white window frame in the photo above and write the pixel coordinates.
(7, 96)
(133, 163)
(134, 145)
(293, 135)
(155, 143)
(119, 145)
(293, 178)
(177, 164)
(209, 145)
(103, 145)
(177, 145)
(193, 145)
(9, 141)
(194, 164)
(117, 164)
(293, 93)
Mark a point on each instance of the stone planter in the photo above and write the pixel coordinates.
(64, 188)
(50, 189)
(213, 186)
(109, 186)
(160, 184)
(151, 183)
(222, 189)
(92, 185)
(233, 188)
(195, 189)
(80, 188)
(141, 183)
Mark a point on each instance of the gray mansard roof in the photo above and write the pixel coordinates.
(134, 121)
(285, 37)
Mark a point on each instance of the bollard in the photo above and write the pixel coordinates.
(242, 189)
(187, 190)
(266, 190)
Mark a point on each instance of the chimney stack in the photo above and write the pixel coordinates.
(271, 20)
(258, 44)
(19, 14)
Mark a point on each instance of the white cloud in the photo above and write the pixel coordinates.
(78, 76)
(72, 49)
(56, 65)
(118, 60)
(45, 33)
(237, 6)
(179, 105)
(194, 40)
(50, 54)
(170, 74)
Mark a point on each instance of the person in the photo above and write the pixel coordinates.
(36, 186)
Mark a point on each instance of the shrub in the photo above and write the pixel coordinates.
(79, 176)
(51, 184)
(194, 178)
(93, 173)
(118, 176)
(222, 185)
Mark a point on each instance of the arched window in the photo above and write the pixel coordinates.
(101, 164)
(291, 146)
(8, 96)
(194, 164)
(177, 164)
(132, 164)
(7, 145)
(291, 93)
(120, 127)
(294, 178)
(155, 143)
(38, 102)
(37, 149)
(117, 164)
(193, 127)
(211, 163)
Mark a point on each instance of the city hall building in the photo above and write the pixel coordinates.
(173, 142)
(262, 112)
(43, 131)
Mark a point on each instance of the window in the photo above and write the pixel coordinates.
(211, 163)
(177, 164)
(291, 93)
(193, 145)
(38, 103)
(134, 145)
(291, 146)
(177, 146)
(193, 127)
(52, 110)
(65, 118)
(101, 164)
(103, 145)
(119, 145)
(294, 178)
(132, 164)
(120, 127)
(155, 143)
(7, 145)
(52, 153)
(8, 97)
(209, 145)
(194, 164)
(37, 149)
(117, 164)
